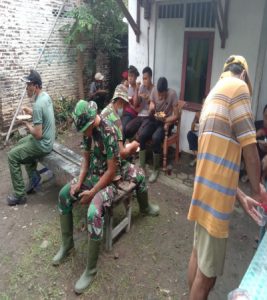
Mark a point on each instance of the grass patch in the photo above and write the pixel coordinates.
(34, 277)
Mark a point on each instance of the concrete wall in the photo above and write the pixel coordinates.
(245, 21)
(263, 91)
(169, 51)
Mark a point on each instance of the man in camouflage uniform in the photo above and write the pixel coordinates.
(129, 172)
(93, 187)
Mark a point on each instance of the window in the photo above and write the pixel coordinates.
(199, 15)
(171, 11)
(196, 71)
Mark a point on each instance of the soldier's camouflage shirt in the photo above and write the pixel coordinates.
(108, 113)
(105, 147)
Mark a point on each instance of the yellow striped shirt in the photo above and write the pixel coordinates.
(226, 126)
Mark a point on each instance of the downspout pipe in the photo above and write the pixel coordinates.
(260, 63)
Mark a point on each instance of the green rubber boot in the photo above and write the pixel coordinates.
(142, 159)
(155, 173)
(66, 223)
(146, 208)
(90, 271)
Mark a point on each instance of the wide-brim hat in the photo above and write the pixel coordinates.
(121, 91)
(239, 60)
(84, 114)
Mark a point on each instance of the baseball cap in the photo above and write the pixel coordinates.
(33, 77)
(239, 60)
(121, 92)
(84, 114)
(99, 76)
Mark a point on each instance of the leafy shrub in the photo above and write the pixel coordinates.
(64, 108)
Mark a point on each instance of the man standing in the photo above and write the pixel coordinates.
(129, 172)
(94, 187)
(97, 92)
(226, 130)
(35, 145)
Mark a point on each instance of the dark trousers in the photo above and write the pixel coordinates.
(151, 129)
(192, 140)
(133, 126)
(125, 119)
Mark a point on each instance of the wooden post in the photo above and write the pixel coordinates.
(129, 17)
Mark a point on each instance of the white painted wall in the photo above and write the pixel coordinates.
(169, 51)
(263, 91)
(244, 23)
(138, 52)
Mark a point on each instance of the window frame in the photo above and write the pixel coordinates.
(187, 35)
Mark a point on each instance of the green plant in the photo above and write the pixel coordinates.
(63, 112)
(98, 22)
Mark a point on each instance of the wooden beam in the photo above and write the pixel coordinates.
(217, 18)
(221, 16)
(225, 20)
(129, 17)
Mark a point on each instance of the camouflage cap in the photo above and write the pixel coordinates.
(121, 92)
(84, 114)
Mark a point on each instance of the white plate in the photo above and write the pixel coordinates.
(24, 117)
(127, 145)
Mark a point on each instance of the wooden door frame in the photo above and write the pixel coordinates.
(201, 34)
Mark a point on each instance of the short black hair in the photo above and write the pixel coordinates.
(162, 85)
(148, 71)
(265, 107)
(133, 70)
(237, 69)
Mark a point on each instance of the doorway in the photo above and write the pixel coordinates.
(197, 63)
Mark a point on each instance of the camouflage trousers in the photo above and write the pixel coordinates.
(96, 209)
(103, 199)
(132, 173)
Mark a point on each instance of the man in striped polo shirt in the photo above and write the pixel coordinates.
(226, 130)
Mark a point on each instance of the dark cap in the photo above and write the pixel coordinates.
(34, 77)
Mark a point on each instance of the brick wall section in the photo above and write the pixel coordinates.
(24, 28)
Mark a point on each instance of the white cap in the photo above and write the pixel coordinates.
(99, 76)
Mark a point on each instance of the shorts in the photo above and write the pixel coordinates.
(210, 252)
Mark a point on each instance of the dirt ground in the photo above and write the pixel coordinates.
(149, 262)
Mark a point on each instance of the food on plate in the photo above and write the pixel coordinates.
(24, 117)
(160, 114)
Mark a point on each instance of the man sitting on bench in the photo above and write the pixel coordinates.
(94, 187)
(129, 172)
(35, 145)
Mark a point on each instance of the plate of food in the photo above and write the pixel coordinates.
(160, 115)
(24, 117)
(128, 145)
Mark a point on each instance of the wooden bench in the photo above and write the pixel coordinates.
(66, 164)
